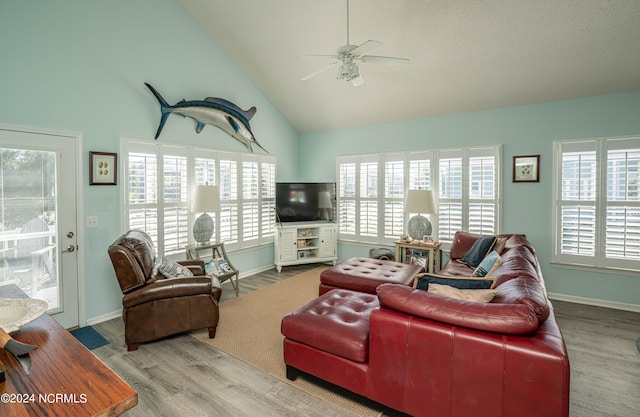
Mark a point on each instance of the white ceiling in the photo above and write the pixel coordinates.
(465, 55)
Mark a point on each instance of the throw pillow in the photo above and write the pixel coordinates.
(423, 281)
(171, 269)
(488, 265)
(477, 296)
(479, 250)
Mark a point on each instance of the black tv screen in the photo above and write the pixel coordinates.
(305, 201)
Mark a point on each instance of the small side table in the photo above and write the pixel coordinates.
(408, 252)
(217, 254)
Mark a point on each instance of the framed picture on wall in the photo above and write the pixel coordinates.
(102, 168)
(526, 168)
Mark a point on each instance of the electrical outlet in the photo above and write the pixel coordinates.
(92, 221)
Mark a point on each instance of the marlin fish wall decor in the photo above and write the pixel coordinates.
(213, 111)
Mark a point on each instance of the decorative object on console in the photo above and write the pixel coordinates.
(206, 199)
(526, 168)
(214, 111)
(347, 54)
(419, 201)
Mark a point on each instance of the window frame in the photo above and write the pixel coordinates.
(429, 163)
(209, 171)
(597, 258)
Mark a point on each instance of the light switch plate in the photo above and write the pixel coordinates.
(92, 221)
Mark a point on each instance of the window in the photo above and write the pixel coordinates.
(372, 189)
(160, 179)
(597, 204)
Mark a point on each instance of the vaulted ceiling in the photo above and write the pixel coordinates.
(465, 55)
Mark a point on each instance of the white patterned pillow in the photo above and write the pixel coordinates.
(171, 269)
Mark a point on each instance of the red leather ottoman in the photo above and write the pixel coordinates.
(335, 325)
(366, 274)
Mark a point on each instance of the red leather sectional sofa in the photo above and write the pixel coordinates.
(429, 355)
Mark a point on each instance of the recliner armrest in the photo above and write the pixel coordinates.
(196, 266)
(169, 288)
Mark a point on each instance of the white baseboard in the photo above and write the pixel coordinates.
(595, 302)
(245, 274)
(104, 317)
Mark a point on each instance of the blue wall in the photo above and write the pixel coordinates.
(522, 130)
(80, 65)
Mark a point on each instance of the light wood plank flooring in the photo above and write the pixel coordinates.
(181, 376)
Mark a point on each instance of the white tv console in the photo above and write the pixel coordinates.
(303, 243)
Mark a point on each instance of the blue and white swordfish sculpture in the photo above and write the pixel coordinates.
(213, 111)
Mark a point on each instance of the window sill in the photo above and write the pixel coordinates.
(589, 268)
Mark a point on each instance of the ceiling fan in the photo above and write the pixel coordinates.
(346, 56)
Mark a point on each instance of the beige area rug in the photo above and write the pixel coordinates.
(249, 330)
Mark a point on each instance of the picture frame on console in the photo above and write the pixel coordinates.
(526, 168)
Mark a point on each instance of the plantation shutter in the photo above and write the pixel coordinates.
(142, 192)
(175, 192)
(577, 205)
(450, 187)
(481, 193)
(622, 224)
(229, 220)
(368, 197)
(394, 194)
(267, 199)
(347, 193)
(420, 178)
(250, 206)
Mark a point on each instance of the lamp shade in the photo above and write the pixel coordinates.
(206, 199)
(324, 200)
(420, 201)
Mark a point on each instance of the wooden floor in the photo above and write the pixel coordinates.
(181, 376)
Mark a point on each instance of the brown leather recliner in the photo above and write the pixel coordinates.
(153, 306)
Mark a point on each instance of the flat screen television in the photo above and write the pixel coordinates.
(305, 201)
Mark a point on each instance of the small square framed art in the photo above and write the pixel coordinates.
(526, 168)
(103, 168)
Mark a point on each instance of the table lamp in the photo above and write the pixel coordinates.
(419, 201)
(206, 199)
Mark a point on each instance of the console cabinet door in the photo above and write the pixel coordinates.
(287, 245)
(327, 246)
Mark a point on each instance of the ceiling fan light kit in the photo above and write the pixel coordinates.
(347, 54)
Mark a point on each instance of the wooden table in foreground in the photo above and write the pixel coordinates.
(66, 378)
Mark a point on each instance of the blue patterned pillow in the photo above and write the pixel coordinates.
(488, 264)
(462, 283)
(479, 250)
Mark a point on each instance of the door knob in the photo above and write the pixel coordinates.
(70, 248)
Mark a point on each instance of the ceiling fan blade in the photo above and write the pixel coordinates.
(384, 60)
(320, 71)
(365, 47)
